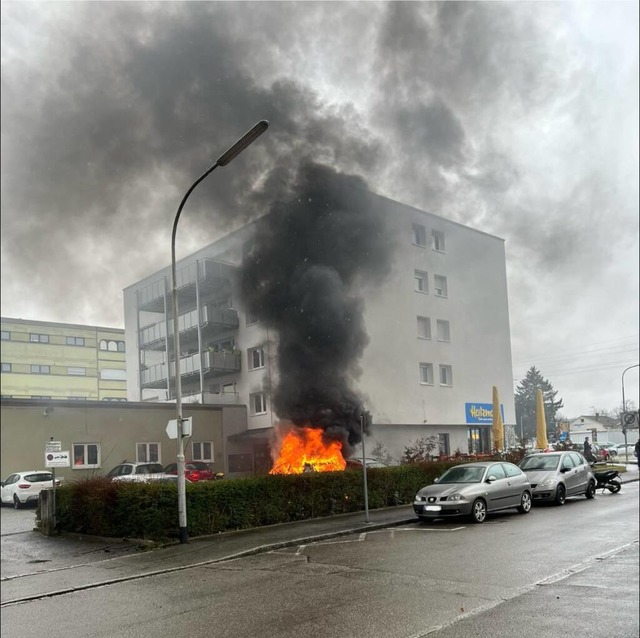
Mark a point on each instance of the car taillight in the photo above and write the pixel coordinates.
(24, 486)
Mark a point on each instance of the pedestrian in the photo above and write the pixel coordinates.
(588, 454)
(636, 451)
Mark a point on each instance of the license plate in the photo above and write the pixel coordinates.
(432, 508)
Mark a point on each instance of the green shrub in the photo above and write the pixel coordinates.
(101, 507)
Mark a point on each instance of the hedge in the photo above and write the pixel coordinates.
(100, 507)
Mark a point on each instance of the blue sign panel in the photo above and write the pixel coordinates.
(481, 412)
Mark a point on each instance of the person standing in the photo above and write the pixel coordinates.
(588, 454)
(636, 451)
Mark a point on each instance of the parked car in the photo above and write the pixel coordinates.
(21, 488)
(143, 472)
(610, 448)
(625, 450)
(194, 471)
(474, 490)
(556, 475)
(356, 464)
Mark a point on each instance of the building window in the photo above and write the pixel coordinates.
(148, 452)
(202, 451)
(77, 372)
(40, 396)
(424, 328)
(37, 338)
(75, 341)
(419, 235)
(112, 346)
(440, 285)
(444, 333)
(426, 373)
(258, 403)
(111, 374)
(39, 369)
(256, 358)
(6, 335)
(113, 399)
(422, 284)
(444, 444)
(86, 455)
(252, 318)
(6, 367)
(446, 375)
(77, 398)
(437, 241)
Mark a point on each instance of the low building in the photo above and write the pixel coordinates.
(596, 428)
(100, 435)
(62, 361)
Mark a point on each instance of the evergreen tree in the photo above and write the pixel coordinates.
(525, 397)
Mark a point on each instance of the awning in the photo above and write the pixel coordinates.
(257, 435)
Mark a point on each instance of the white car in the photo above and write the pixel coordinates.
(626, 450)
(24, 487)
(140, 472)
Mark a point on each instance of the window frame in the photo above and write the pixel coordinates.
(448, 369)
(39, 338)
(444, 288)
(419, 235)
(85, 456)
(76, 372)
(437, 236)
(425, 366)
(74, 341)
(259, 350)
(427, 323)
(147, 452)
(447, 325)
(6, 367)
(6, 335)
(423, 277)
(40, 368)
(201, 456)
(252, 401)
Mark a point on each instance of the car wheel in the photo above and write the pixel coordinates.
(478, 511)
(16, 502)
(525, 503)
(561, 495)
(591, 490)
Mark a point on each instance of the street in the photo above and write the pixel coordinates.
(570, 570)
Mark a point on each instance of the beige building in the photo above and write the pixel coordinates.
(46, 360)
(100, 435)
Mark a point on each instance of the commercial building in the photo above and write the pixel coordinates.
(47, 360)
(438, 328)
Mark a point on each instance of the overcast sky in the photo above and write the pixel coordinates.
(518, 119)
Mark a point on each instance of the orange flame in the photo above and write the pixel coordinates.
(305, 447)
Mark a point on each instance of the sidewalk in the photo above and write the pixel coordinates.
(203, 551)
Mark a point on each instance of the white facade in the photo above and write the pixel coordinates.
(438, 328)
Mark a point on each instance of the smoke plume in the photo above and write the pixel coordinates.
(300, 278)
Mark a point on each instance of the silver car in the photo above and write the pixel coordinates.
(555, 476)
(474, 490)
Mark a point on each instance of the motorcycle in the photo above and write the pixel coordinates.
(608, 480)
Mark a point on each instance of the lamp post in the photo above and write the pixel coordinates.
(247, 139)
(624, 408)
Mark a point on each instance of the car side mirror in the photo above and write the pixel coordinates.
(491, 479)
(435, 480)
(563, 470)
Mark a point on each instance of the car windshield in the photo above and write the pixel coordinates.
(547, 462)
(469, 474)
(197, 465)
(150, 468)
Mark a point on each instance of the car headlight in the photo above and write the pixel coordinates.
(551, 482)
(455, 497)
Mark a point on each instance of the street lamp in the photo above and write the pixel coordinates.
(624, 406)
(247, 139)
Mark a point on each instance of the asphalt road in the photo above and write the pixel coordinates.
(571, 570)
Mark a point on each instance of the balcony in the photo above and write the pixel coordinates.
(214, 321)
(214, 364)
(210, 276)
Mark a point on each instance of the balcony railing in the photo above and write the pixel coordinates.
(213, 364)
(214, 321)
(210, 275)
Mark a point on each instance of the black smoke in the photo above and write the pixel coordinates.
(311, 254)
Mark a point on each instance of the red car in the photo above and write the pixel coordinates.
(194, 471)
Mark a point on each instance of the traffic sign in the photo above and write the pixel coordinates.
(172, 428)
(57, 459)
(53, 446)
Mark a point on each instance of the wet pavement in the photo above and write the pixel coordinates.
(34, 566)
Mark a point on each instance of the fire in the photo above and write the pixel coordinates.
(305, 447)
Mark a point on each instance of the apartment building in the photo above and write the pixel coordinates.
(48, 360)
(438, 328)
